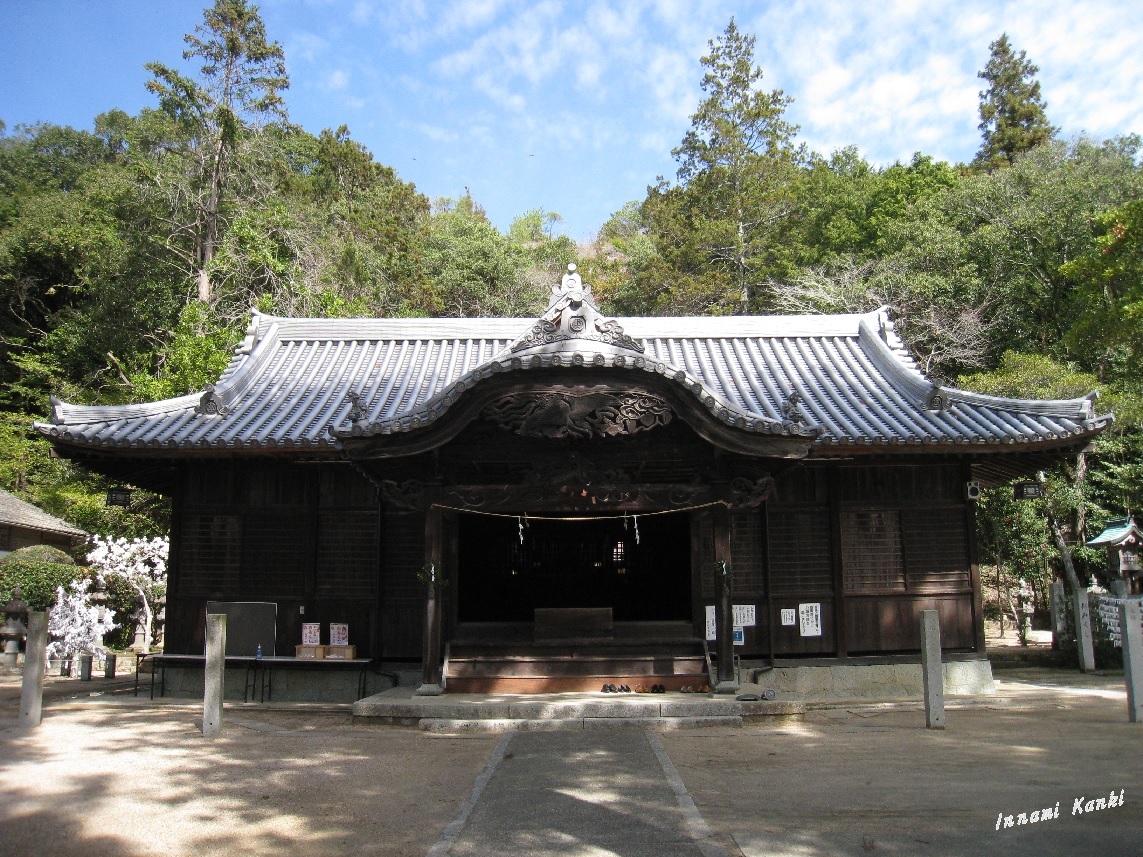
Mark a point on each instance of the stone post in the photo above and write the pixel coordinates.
(1082, 606)
(35, 659)
(85, 659)
(1130, 617)
(109, 662)
(1057, 602)
(932, 670)
(215, 678)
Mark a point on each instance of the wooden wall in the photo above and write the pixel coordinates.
(307, 537)
(872, 545)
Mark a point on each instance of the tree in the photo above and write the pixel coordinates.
(242, 76)
(475, 270)
(736, 165)
(1012, 117)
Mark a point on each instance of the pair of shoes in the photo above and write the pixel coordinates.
(624, 688)
(686, 688)
(640, 688)
(658, 688)
(610, 688)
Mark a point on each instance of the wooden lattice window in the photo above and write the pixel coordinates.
(872, 556)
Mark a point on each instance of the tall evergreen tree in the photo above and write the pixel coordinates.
(736, 165)
(1012, 117)
(241, 80)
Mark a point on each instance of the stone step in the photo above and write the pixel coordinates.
(658, 724)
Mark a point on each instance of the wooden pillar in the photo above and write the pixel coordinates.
(724, 606)
(974, 569)
(431, 679)
(841, 644)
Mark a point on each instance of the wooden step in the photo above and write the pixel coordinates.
(568, 684)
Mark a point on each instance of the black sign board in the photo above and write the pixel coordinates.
(1029, 491)
(119, 497)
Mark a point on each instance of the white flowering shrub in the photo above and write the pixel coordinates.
(141, 565)
(75, 624)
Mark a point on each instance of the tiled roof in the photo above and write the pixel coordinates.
(1118, 531)
(290, 382)
(17, 513)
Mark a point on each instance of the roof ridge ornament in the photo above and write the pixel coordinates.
(572, 314)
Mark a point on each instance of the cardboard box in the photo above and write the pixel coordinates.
(340, 653)
(314, 653)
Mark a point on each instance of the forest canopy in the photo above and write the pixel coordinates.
(132, 253)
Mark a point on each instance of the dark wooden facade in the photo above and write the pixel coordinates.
(873, 543)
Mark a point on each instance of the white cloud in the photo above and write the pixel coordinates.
(337, 79)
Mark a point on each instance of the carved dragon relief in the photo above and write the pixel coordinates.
(596, 413)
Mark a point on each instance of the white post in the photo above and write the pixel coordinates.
(35, 659)
(215, 679)
(1082, 606)
(1131, 633)
(932, 670)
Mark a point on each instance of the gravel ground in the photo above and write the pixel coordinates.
(111, 776)
(112, 780)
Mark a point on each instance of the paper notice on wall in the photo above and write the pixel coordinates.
(338, 634)
(789, 616)
(745, 616)
(311, 633)
(810, 619)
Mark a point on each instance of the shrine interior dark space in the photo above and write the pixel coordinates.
(638, 566)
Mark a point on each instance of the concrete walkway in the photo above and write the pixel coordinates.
(599, 792)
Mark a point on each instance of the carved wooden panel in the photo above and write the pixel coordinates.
(572, 414)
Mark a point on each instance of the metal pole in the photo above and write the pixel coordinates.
(35, 659)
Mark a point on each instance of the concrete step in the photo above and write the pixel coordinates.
(562, 724)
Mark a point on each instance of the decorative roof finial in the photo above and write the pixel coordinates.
(572, 287)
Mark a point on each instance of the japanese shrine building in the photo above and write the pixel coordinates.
(579, 463)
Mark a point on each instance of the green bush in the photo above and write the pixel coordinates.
(38, 553)
(37, 580)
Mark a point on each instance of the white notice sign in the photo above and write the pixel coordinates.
(810, 619)
(789, 616)
(311, 633)
(745, 616)
(338, 634)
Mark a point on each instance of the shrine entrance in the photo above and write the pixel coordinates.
(639, 566)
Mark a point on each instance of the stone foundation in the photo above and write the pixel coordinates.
(873, 681)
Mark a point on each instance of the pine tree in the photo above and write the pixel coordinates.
(1012, 117)
(735, 169)
(242, 76)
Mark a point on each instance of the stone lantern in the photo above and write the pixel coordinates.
(1124, 542)
(15, 628)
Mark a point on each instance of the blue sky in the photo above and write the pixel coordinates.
(574, 106)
